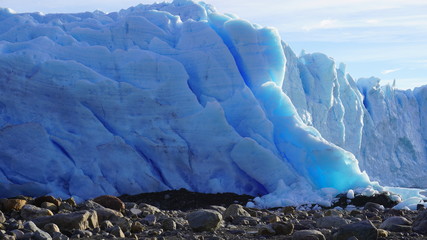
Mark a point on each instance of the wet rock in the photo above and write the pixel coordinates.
(30, 211)
(420, 223)
(308, 235)
(204, 220)
(396, 224)
(111, 202)
(331, 221)
(362, 230)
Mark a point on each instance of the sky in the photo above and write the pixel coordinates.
(381, 38)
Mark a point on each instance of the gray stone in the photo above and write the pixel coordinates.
(204, 220)
(30, 211)
(149, 220)
(308, 235)
(18, 233)
(331, 221)
(137, 227)
(108, 214)
(148, 208)
(266, 230)
(282, 228)
(168, 224)
(235, 210)
(65, 206)
(59, 236)
(51, 228)
(117, 231)
(396, 224)
(48, 205)
(89, 205)
(362, 230)
(37, 232)
(420, 223)
(106, 225)
(68, 221)
(373, 207)
(2, 217)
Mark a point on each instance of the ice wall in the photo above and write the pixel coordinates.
(166, 96)
(383, 126)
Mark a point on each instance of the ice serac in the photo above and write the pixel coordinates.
(384, 127)
(174, 95)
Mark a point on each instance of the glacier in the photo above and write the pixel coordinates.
(178, 95)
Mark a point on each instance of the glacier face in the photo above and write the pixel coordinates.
(177, 95)
(384, 127)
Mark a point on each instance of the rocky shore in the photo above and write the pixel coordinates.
(185, 215)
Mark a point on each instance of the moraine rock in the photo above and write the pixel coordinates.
(17, 233)
(148, 209)
(420, 223)
(117, 231)
(106, 225)
(308, 234)
(235, 210)
(282, 228)
(48, 205)
(266, 230)
(204, 220)
(80, 220)
(38, 201)
(111, 202)
(331, 221)
(30, 211)
(2, 217)
(373, 207)
(59, 236)
(108, 214)
(51, 228)
(13, 204)
(169, 224)
(362, 230)
(37, 232)
(396, 224)
(137, 227)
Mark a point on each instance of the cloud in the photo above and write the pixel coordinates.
(385, 72)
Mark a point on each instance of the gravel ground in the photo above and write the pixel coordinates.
(181, 214)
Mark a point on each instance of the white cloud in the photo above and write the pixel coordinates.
(385, 72)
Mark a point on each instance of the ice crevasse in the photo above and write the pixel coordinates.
(156, 97)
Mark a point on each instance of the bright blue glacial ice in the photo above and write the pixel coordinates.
(174, 95)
